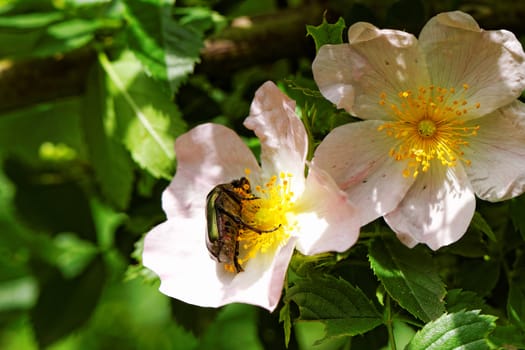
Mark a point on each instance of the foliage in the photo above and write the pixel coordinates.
(81, 177)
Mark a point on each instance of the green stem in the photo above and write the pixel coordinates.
(389, 324)
(308, 122)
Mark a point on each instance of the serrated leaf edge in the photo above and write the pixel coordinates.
(108, 68)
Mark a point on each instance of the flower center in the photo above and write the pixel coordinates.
(267, 216)
(428, 125)
(426, 128)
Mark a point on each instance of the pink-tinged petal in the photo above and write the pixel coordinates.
(497, 154)
(458, 52)
(355, 75)
(262, 281)
(327, 221)
(175, 250)
(356, 156)
(333, 72)
(207, 155)
(437, 210)
(284, 142)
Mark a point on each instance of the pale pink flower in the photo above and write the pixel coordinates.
(442, 123)
(311, 214)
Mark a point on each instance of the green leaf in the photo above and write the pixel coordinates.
(112, 164)
(14, 247)
(200, 18)
(517, 208)
(458, 300)
(58, 123)
(479, 223)
(508, 337)
(73, 253)
(20, 33)
(343, 308)
(56, 38)
(472, 245)
(327, 33)
(516, 304)
(310, 336)
(304, 265)
(65, 250)
(235, 328)
(106, 221)
(409, 276)
(30, 20)
(167, 49)
(286, 319)
(144, 119)
(478, 275)
(17, 293)
(66, 36)
(461, 330)
(66, 304)
(37, 189)
(319, 115)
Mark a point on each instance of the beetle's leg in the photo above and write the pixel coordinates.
(255, 229)
(239, 221)
(238, 266)
(220, 242)
(234, 217)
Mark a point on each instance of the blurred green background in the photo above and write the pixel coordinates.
(81, 174)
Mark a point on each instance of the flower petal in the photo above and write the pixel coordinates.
(207, 155)
(497, 153)
(458, 52)
(437, 210)
(327, 220)
(175, 250)
(262, 281)
(356, 156)
(353, 76)
(284, 141)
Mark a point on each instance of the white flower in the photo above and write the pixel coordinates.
(283, 210)
(442, 123)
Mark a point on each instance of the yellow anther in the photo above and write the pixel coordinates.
(266, 218)
(429, 125)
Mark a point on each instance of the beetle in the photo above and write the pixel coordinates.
(224, 204)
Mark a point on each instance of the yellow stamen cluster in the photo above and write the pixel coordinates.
(429, 125)
(267, 212)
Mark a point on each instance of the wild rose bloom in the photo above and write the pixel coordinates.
(441, 123)
(311, 214)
